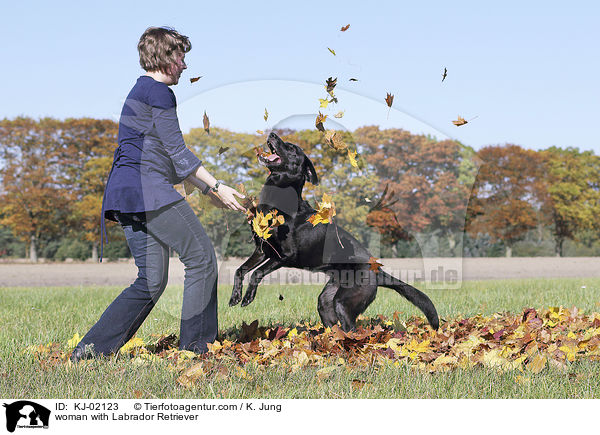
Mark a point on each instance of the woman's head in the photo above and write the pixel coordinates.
(162, 49)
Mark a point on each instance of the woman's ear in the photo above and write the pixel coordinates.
(309, 172)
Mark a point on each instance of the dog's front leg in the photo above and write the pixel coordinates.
(255, 259)
(271, 265)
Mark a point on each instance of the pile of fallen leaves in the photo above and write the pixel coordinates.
(530, 341)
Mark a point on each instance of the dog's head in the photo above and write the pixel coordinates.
(288, 163)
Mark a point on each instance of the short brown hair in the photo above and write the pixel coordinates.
(158, 47)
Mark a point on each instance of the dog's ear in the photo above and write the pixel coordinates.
(309, 172)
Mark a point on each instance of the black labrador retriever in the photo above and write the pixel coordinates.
(353, 282)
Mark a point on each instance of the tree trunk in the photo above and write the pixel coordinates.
(95, 252)
(32, 251)
(508, 252)
(559, 247)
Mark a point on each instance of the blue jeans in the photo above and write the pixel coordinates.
(174, 226)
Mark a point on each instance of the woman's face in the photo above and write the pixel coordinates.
(177, 68)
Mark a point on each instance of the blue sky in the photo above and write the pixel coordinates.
(527, 70)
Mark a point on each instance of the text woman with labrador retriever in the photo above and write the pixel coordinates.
(139, 194)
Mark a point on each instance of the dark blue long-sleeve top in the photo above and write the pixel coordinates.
(151, 156)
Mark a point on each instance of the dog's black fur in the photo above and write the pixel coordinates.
(352, 285)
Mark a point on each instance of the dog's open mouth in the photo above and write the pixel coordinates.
(269, 159)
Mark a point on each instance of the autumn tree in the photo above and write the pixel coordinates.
(87, 147)
(507, 194)
(572, 193)
(32, 202)
(429, 180)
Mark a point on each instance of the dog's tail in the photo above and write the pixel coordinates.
(414, 296)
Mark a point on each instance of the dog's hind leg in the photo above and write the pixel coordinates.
(325, 305)
(255, 259)
(271, 265)
(349, 302)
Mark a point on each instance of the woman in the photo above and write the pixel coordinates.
(139, 194)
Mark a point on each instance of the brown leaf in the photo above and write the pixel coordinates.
(331, 83)
(319, 122)
(195, 79)
(346, 27)
(444, 74)
(389, 99)
(334, 140)
(358, 383)
(206, 123)
(249, 332)
(138, 394)
(222, 150)
(460, 121)
(537, 363)
(374, 265)
(353, 80)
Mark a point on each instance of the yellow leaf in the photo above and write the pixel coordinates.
(352, 157)
(191, 375)
(325, 213)
(260, 132)
(74, 341)
(339, 114)
(131, 345)
(325, 372)
(537, 363)
(323, 103)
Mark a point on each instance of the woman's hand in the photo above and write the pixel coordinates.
(225, 198)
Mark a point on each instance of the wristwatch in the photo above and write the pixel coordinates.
(215, 188)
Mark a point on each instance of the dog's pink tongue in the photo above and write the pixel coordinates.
(272, 157)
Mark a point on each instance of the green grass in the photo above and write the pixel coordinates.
(32, 316)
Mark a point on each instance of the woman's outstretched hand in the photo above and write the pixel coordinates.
(225, 198)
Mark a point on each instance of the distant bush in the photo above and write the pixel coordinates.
(75, 249)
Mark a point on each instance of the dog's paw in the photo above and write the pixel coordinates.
(248, 298)
(235, 299)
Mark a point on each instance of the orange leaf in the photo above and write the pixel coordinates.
(343, 29)
(195, 79)
(206, 123)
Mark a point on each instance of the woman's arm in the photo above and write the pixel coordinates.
(226, 195)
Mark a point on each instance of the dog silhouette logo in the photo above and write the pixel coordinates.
(26, 414)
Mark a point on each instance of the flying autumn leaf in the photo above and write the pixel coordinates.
(222, 150)
(262, 224)
(339, 114)
(323, 102)
(195, 79)
(319, 122)
(445, 73)
(460, 121)
(389, 99)
(266, 115)
(374, 265)
(331, 51)
(325, 212)
(330, 84)
(352, 157)
(260, 132)
(353, 80)
(346, 27)
(334, 139)
(206, 123)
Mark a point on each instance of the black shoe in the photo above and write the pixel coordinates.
(86, 352)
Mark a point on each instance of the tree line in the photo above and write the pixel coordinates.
(411, 195)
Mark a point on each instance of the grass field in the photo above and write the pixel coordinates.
(33, 316)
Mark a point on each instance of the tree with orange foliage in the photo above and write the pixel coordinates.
(425, 176)
(507, 194)
(32, 203)
(53, 176)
